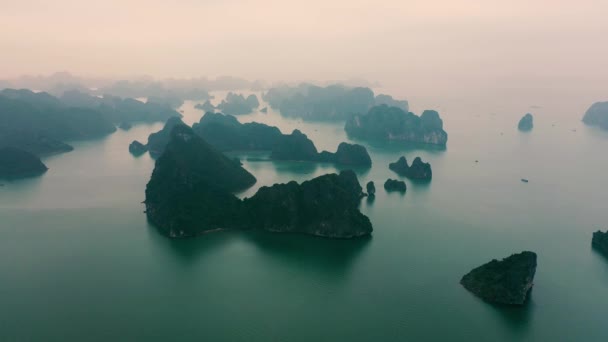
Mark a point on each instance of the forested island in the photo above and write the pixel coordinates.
(190, 193)
(393, 123)
(16, 163)
(226, 133)
(507, 281)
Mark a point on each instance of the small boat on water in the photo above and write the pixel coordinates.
(524, 180)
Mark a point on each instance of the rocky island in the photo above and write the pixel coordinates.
(393, 123)
(226, 133)
(137, 149)
(418, 170)
(597, 115)
(526, 123)
(394, 185)
(297, 146)
(190, 193)
(16, 163)
(158, 141)
(600, 242)
(371, 189)
(507, 281)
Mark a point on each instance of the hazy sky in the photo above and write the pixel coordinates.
(428, 42)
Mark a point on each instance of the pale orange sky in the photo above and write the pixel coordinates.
(430, 42)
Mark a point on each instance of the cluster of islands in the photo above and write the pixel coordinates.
(192, 188)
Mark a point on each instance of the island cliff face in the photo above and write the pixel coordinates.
(504, 282)
(190, 193)
(600, 242)
(191, 187)
(392, 123)
(16, 163)
(597, 115)
(158, 141)
(526, 123)
(418, 170)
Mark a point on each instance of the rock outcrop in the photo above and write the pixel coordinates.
(394, 185)
(392, 123)
(597, 115)
(190, 193)
(503, 282)
(418, 170)
(600, 242)
(526, 123)
(371, 189)
(137, 149)
(16, 163)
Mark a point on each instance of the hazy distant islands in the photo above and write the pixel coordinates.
(39, 123)
(393, 123)
(334, 102)
(190, 193)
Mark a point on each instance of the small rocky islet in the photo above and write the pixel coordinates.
(190, 193)
(599, 242)
(371, 189)
(395, 185)
(526, 123)
(418, 170)
(507, 281)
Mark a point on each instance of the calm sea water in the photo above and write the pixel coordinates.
(79, 262)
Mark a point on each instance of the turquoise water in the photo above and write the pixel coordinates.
(78, 261)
